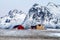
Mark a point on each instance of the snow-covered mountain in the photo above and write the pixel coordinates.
(55, 10)
(13, 18)
(48, 15)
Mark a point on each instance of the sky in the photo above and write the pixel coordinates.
(24, 5)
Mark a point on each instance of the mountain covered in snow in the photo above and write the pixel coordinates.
(48, 15)
(13, 18)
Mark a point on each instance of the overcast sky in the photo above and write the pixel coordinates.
(24, 5)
